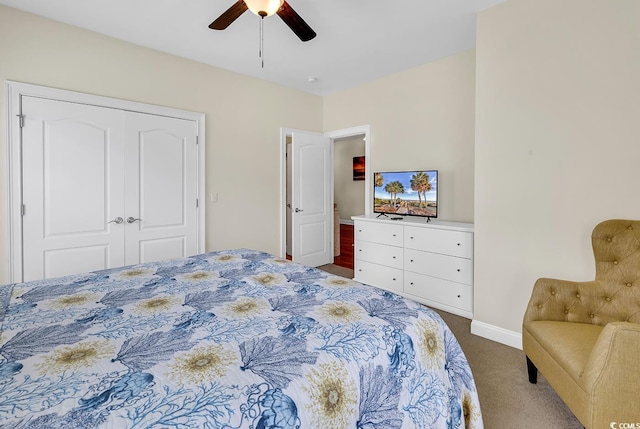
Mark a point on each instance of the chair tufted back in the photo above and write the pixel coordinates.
(614, 296)
(616, 248)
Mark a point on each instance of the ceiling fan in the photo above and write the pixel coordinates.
(264, 8)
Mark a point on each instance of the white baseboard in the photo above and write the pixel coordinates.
(495, 333)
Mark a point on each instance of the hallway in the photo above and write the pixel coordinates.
(345, 259)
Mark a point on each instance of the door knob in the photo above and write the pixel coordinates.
(117, 220)
(131, 219)
(298, 210)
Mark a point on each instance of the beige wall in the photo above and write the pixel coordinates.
(347, 193)
(557, 142)
(243, 116)
(422, 118)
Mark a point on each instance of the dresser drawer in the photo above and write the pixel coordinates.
(379, 233)
(378, 275)
(444, 241)
(390, 256)
(438, 290)
(436, 265)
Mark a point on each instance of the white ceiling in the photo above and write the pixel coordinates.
(358, 40)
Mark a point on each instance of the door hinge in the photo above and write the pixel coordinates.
(23, 210)
(197, 203)
(197, 139)
(21, 117)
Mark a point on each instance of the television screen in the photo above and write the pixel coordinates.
(406, 193)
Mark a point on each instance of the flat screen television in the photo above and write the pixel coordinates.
(406, 193)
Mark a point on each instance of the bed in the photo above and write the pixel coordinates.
(228, 339)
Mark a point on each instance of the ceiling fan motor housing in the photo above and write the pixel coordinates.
(264, 8)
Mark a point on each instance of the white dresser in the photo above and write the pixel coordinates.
(431, 263)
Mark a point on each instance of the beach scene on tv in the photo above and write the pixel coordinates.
(411, 193)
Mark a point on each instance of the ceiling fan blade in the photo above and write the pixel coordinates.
(230, 15)
(296, 23)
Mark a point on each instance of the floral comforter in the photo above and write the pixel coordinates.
(229, 339)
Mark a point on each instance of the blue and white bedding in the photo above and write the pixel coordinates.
(229, 339)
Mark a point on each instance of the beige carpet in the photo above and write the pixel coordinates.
(507, 399)
(337, 270)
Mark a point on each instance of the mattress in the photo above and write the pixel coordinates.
(228, 339)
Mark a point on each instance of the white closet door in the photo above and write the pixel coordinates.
(311, 199)
(161, 178)
(72, 188)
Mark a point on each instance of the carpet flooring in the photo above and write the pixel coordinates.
(507, 399)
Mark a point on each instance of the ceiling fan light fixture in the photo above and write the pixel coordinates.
(264, 8)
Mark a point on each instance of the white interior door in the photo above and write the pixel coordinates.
(288, 198)
(312, 199)
(161, 177)
(72, 188)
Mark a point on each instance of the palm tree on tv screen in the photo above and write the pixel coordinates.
(426, 188)
(393, 189)
(417, 181)
(420, 183)
(378, 180)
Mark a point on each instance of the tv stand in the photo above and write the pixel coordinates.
(382, 214)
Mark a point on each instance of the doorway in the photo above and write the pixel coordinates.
(349, 194)
(361, 132)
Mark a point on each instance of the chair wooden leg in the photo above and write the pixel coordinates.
(533, 371)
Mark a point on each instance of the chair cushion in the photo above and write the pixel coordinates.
(570, 344)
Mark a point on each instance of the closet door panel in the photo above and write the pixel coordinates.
(162, 166)
(61, 262)
(161, 188)
(72, 188)
(75, 177)
(159, 249)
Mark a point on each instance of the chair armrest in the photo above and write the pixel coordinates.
(611, 374)
(561, 300)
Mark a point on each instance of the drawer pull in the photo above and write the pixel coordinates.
(458, 296)
(412, 238)
(411, 283)
(394, 279)
(458, 244)
(360, 270)
(394, 257)
(412, 260)
(458, 270)
(394, 235)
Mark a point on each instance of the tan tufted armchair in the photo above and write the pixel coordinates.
(585, 336)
